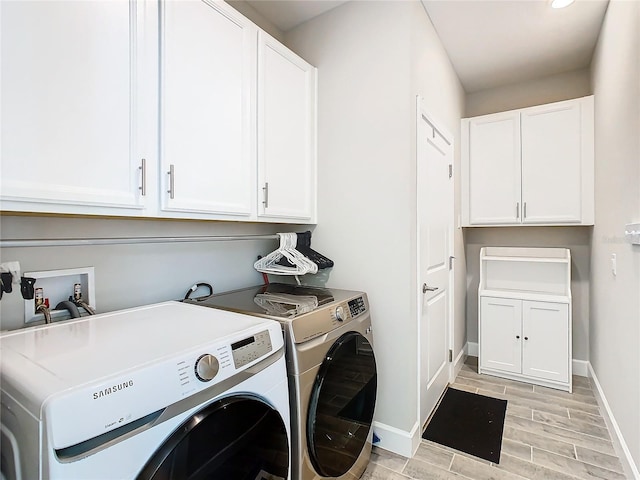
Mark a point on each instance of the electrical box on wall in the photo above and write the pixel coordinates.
(55, 286)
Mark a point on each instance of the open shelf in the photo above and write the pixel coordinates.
(542, 272)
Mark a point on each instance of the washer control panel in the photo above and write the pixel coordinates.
(248, 349)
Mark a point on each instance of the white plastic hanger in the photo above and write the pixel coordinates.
(291, 243)
(300, 264)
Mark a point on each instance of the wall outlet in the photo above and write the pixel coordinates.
(58, 286)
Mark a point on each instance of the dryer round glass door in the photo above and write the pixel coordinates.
(235, 437)
(341, 405)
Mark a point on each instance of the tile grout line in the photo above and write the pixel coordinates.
(555, 470)
(607, 440)
(571, 474)
(570, 458)
(451, 462)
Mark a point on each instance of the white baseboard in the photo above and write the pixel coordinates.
(472, 349)
(396, 440)
(580, 367)
(618, 439)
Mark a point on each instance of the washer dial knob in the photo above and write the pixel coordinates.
(339, 313)
(206, 367)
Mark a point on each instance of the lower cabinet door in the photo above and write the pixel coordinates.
(545, 345)
(501, 334)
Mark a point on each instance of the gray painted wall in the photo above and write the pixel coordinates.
(132, 275)
(370, 67)
(615, 300)
(553, 88)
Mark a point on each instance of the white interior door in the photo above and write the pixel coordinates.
(435, 231)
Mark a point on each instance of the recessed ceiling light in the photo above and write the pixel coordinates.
(561, 3)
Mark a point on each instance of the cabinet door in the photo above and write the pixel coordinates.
(545, 351)
(207, 59)
(500, 334)
(494, 169)
(286, 133)
(71, 106)
(552, 163)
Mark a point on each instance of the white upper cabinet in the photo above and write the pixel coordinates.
(207, 103)
(173, 109)
(73, 116)
(533, 166)
(494, 168)
(286, 133)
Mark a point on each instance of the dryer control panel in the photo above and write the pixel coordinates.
(357, 306)
(329, 317)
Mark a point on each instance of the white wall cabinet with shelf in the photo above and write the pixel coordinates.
(533, 166)
(525, 315)
(156, 118)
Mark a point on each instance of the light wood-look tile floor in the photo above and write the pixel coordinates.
(548, 435)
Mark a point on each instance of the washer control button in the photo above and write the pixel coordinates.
(339, 313)
(206, 367)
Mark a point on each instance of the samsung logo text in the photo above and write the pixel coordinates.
(112, 389)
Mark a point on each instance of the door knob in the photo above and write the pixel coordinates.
(426, 288)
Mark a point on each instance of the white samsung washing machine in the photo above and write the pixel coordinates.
(332, 372)
(166, 391)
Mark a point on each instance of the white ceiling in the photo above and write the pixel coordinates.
(500, 42)
(287, 14)
(490, 42)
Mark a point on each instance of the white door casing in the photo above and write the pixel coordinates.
(434, 249)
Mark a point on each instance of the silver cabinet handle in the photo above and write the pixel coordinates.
(524, 210)
(172, 175)
(517, 209)
(265, 189)
(143, 177)
(426, 288)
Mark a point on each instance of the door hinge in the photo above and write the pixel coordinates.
(450, 170)
(450, 355)
(451, 262)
